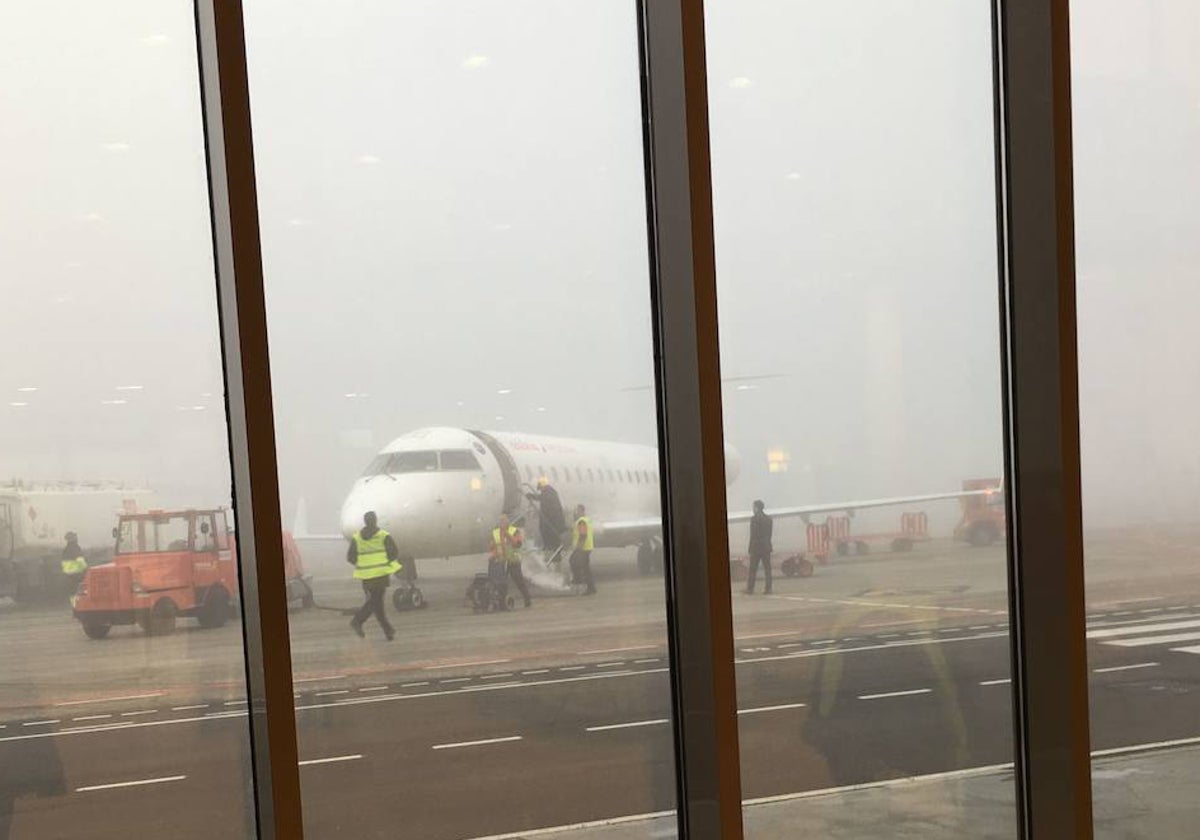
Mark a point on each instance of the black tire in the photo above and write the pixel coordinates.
(96, 629)
(981, 535)
(805, 568)
(789, 567)
(160, 620)
(416, 600)
(400, 600)
(214, 612)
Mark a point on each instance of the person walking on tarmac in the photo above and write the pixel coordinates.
(583, 540)
(551, 521)
(760, 548)
(506, 540)
(375, 558)
(74, 564)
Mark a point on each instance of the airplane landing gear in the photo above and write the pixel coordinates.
(650, 558)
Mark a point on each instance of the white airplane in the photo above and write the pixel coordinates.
(440, 491)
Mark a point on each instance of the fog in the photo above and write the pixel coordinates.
(452, 202)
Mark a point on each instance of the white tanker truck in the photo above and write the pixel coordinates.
(34, 521)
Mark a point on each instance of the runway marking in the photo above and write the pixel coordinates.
(1004, 681)
(887, 694)
(898, 623)
(647, 661)
(1124, 667)
(235, 702)
(140, 712)
(455, 680)
(310, 762)
(466, 664)
(573, 668)
(496, 676)
(618, 650)
(579, 826)
(824, 642)
(111, 699)
(889, 635)
(376, 688)
(41, 723)
(477, 743)
(414, 685)
(90, 717)
(538, 671)
(191, 708)
(766, 635)
(1152, 610)
(1143, 641)
(1134, 622)
(1191, 649)
(114, 785)
(886, 783)
(790, 645)
(299, 680)
(1128, 630)
(979, 627)
(609, 665)
(636, 723)
(1156, 745)
(771, 708)
(1121, 601)
(333, 693)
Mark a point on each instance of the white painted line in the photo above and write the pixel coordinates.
(979, 627)
(496, 676)
(886, 694)
(538, 671)
(1005, 681)
(579, 826)
(375, 688)
(414, 685)
(140, 712)
(636, 723)
(898, 623)
(333, 760)
(332, 693)
(41, 722)
(824, 641)
(1124, 612)
(477, 743)
(771, 708)
(924, 640)
(1191, 649)
(1152, 610)
(235, 702)
(1124, 667)
(1129, 630)
(455, 680)
(114, 785)
(467, 664)
(766, 635)
(573, 668)
(189, 708)
(1156, 745)
(889, 635)
(790, 645)
(112, 699)
(1143, 641)
(300, 680)
(90, 717)
(888, 783)
(617, 650)
(609, 665)
(1132, 622)
(643, 661)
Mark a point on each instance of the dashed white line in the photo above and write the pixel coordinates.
(139, 712)
(889, 635)
(90, 717)
(455, 680)
(235, 702)
(41, 723)
(114, 785)
(824, 641)
(112, 699)
(766, 635)
(375, 688)
(496, 676)
(467, 664)
(778, 708)
(477, 743)
(790, 645)
(1003, 681)
(910, 693)
(334, 759)
(647, 661)
(1129, 630)
(616, 650)
(573, 668)
(1124, 667)
(610, 665)
(414, 685)
(319, 679)
(333, 693)
(191, 708)
(534, 672)
(632, 725)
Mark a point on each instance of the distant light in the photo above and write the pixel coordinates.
(461, 403)
(793, 176)
(117, 147)
(130, 387)
(474, 62)
(541, 408)
(113, 402)
(349, 396)
(777, 460)
(368, 160)
(199, 408)
(740, 82)
(499, 417)
(28, 389)
(746, 388)
(18, 404)
(92, 217)
(503, 391)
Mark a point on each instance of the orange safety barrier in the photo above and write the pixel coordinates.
(818, 541)
(914, 524)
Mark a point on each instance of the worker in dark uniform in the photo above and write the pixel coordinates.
(506, 542)
(760, 548)
(582, 542)
(74, 564)
(551, 522)
(375, 558)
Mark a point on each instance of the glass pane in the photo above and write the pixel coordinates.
(454, 224)
(1136, 100)
(122, 696)
(855, 206)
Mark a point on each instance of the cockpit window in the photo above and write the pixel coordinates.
(377, 464)
(459, 459)
(410, 462)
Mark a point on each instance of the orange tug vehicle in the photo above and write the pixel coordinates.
(166, 564)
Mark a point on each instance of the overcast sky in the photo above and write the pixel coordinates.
(452, 205)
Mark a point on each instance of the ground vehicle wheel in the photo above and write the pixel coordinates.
(96, 629)
(789, 567)
(645, 559)
(416, 599)
(160, 621)
(214, 612)
(804, 568)
(981, 535)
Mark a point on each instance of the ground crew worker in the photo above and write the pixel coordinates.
(506, 540)
(583, 540)
(375, 558)
(551, 521)
(74, 564)
(760, 547)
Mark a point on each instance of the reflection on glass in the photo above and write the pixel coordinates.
(122, 701)
(855, 238)
(455, 250)
(1136, 85)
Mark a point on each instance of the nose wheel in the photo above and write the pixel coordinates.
(409, 598)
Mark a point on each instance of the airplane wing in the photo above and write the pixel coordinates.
(632, 527)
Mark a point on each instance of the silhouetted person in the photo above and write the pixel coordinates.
(551, 521)
(760, 548)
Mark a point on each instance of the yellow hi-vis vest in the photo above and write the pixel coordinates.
(75, 566)
(370, 558)
(589, 540)
(507, 550)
